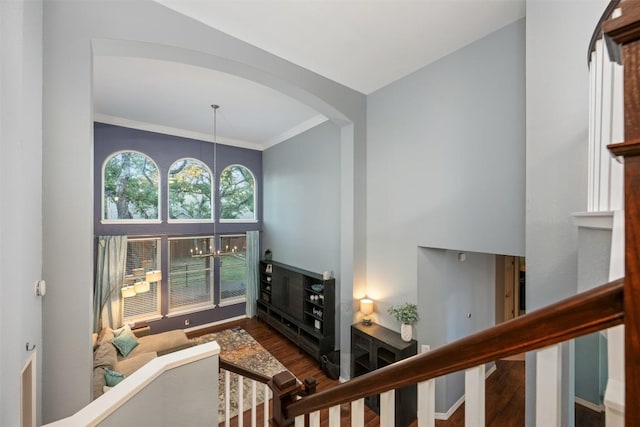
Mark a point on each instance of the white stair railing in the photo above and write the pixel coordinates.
(255, 385)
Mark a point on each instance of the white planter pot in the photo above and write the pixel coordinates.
(406, 332)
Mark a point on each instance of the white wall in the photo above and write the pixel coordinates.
(21, 194)
(73, 29)
(557, 37)
(445, 163)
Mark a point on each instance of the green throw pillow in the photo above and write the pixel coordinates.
(112, 377)
(125, 342)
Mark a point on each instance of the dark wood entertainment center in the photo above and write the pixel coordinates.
(299, 304)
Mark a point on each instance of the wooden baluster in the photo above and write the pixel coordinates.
(625, 31)
(474, 397)
(254, 400)
(240, 400)
(227, 395)
(265, 404)
(334, 416)
(426, 400)
(548, 386)
(387, 408)
(314, 419)
(357, 413)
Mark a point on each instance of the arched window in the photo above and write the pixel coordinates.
(190, 196)
(237, 194)
(130, 188)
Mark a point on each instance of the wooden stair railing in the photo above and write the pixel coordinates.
(625, 32)
(591, 311)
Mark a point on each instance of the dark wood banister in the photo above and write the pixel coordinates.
(581, 314)
(597, 32)
(240, 370)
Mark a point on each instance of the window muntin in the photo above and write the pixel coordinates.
(142, 255)
(233, 268)
(237, 194)
(130, 188)
(190, 191)
(190, 278)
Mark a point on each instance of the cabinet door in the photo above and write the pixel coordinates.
(279, 289)
(295, 303)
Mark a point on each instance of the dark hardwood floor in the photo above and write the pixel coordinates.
(505, 388)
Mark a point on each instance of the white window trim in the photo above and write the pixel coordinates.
(239, 221)
(104, 220)
(191, 309)
(232, 301)
(157, 314)
(255, 195)
(194, 308)
(213, 202)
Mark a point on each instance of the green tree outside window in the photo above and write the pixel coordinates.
(237, 193)
(130, 187)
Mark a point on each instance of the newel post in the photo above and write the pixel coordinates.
(285, 389)
(625, 32)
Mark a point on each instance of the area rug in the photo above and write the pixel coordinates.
(239, 347)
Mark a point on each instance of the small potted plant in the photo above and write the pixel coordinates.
(407, 314)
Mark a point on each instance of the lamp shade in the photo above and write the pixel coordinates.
(140, 287)
(366, 306)
(153, 276)
(128, 291)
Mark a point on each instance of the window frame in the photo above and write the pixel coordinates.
(192, 308)
(211, 220)
(232, 300)
(255, 198)
(104, 220)
(158, 313)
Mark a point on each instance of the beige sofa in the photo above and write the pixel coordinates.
(106, 355)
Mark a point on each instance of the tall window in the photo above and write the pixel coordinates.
(142, 255)
(190, 276)
(233, 268)
(130, 188)
(190, 191)
(237, 194)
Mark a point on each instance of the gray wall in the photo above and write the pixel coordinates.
(445, 164)
(557, 36)
(456, 299)
(21, 195)
(73, 31)
(302, 199)
(301, 223)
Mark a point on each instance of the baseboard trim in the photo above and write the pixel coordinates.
(446, 415)
(589, 405)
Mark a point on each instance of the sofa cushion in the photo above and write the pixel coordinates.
(105, 335)
(131, 364)
(125, 342)
(99, 381)
(105, 356)
(161, 343)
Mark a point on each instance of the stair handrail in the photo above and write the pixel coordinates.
(227, 365)
(591, 311)
(598, 31)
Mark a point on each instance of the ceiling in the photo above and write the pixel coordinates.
(362, 44)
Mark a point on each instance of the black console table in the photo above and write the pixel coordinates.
(373, 347)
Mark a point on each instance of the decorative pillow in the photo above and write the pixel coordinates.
(112, 378)
(125, 342)
(120, 330)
